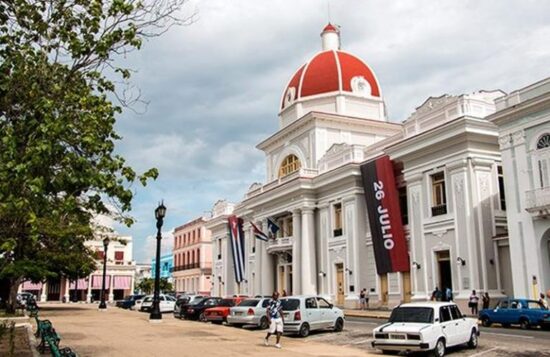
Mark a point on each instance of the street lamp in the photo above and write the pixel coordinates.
(160, 212)
(102, 304)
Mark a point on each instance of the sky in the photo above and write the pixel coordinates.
(213, 88)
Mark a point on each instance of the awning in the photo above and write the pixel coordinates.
(97, 281)
(122, 282)
(29, 285)
(82, 284)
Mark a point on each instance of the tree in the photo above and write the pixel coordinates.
(147, 285)
(58, 167)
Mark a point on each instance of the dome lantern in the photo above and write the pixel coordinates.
(330, 38)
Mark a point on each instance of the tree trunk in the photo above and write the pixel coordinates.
(12, 300)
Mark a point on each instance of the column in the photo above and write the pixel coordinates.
(296, 252)
(66, 289)
(309, 266)
(89, 293)
(111, 284)
(44, 295)
(133, 283)
(266, 272)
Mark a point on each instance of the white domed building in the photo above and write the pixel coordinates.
(332, 120)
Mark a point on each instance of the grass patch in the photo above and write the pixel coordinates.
(18, 313)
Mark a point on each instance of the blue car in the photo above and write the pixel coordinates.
(523, 312)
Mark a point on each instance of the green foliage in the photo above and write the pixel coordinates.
(147, 285)
(58, 166)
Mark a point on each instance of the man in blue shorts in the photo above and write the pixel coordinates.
(275, 318)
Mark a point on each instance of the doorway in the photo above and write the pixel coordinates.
(340, 284)
(444, 267)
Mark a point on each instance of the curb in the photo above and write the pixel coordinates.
(369, 316)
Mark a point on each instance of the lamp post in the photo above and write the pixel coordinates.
(160, 212)
(102, 304)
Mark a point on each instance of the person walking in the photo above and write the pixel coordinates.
(543, 301)
(485, 300)
(367, 298)
(284, 293)
(362, 299)
(448, 294)
(473, 303)
(275, 319)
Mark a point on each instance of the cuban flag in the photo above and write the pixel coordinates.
(272, 227)
(258, 233)
(236, 235)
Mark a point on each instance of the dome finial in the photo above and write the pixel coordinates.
(330, 37)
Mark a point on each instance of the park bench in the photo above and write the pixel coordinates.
(53, 343)
(47, 334)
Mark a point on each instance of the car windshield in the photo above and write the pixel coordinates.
(210, 302)
(290, 304)
(412, 314)
(196, 302)
(148, 298)
(250, 302)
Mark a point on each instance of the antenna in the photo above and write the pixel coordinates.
(328, 10)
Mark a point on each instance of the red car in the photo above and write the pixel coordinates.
(218, 314)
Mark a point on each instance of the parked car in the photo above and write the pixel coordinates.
(523, 312)
(129, 301)
(250, 312)
(303, 314)
(166, 303)
(219, 313)
(195, 311)
(23, 297)
(184, 300)
(426, 326)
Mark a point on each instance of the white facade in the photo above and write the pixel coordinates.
(523, 119)
(314, 191)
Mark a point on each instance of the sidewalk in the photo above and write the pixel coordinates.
(120, 333)
(374, 314)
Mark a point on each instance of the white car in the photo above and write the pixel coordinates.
(426, 326)
(303, 314)
(166, 303)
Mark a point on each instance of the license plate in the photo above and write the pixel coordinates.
(285, 315)
(238, 313)
(397, 337)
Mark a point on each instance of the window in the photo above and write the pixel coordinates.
(403, 204)
(199, 233)
(119, 255)
(439, 199)
(219, 249)
(311, 303)
(290, 164)
(337, 208)
(543, 162)
(323, 304)
(455, 312)
(501, 194)
(544, 142)
(444, 314)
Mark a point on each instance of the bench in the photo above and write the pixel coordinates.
(50, 338)
(53, 343)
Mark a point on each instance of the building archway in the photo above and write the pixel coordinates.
(544, 280)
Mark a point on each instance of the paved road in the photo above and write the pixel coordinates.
(494, 341)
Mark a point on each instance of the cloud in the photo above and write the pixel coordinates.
(147, 248)
(214, 87)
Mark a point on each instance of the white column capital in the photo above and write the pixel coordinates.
(307, 210)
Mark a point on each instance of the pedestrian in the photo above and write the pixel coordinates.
(362, 301)
(434, 294)
(284, 293)
(448, 294)
(367, 298)
(473, 303)
(485, 300)
(543, 301)
(275, 319)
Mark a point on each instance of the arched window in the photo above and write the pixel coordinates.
(544, 142)
(290, 164)
(543, 159)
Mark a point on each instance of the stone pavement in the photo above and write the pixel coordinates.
(119, 333)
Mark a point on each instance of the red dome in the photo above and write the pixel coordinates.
(330, 27)
(329, 71)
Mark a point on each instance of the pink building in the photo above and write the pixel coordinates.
(193, 257)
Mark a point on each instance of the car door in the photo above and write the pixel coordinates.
(312, 313)
(448, 326)
(326, 315)
(462, 329)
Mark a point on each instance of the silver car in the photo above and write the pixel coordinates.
(249, 312)
(303, 314)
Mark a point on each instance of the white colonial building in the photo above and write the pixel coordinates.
(331, 121)
(523, 119)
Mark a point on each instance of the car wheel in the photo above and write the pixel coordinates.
(264, 323)
(485, 321)
(473, 340)
(202, 318)
(505, 325)
(439, 350)
(304, 330)
(339, 325)
(217, 322)
(524, 324)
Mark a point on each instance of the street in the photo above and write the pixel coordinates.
(494, 341)
(118, 332)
